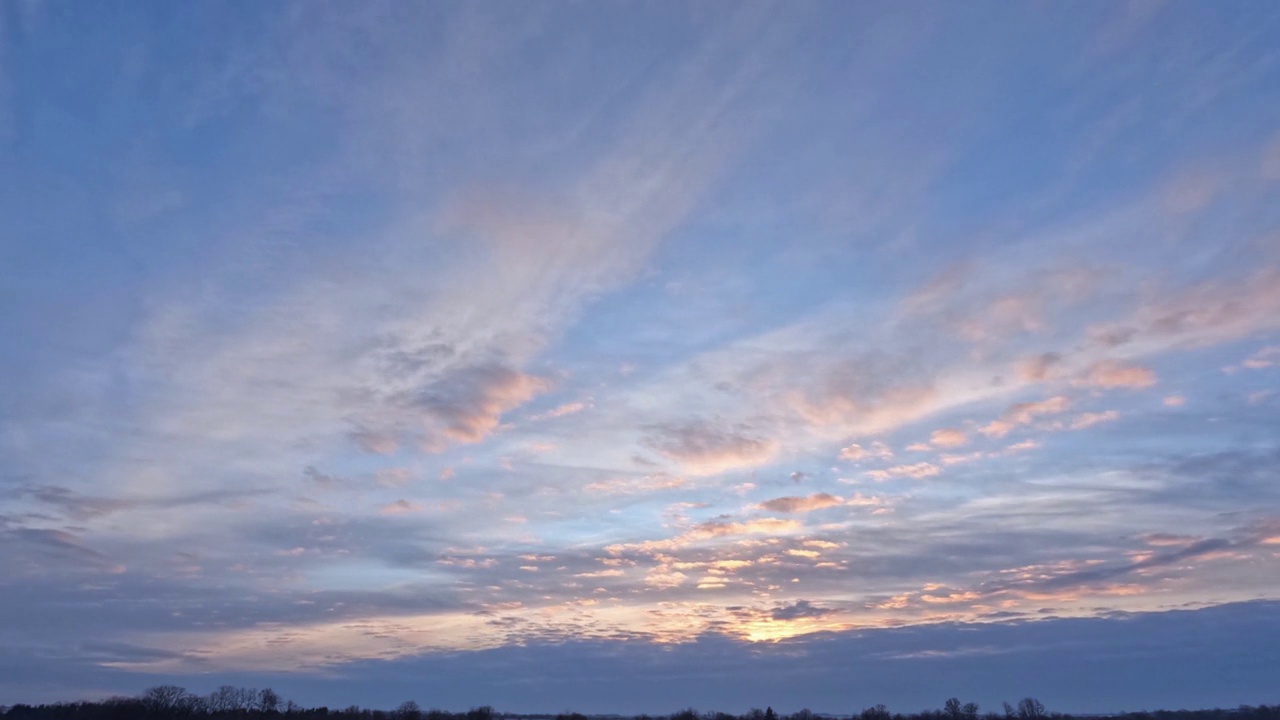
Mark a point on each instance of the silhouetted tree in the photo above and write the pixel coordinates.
(164, 699)
(878, 712)
(169, 702)
(268, 700)
(1030, 708)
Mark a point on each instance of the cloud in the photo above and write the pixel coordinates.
(705, 449)
(1022, 446)
(817, 501)
(635, 486)
(799, 609)
(401, 507)
(916, 471)
(564, 410)
(1109, 374)
(951, 459)
(877, 451)
(1024, 413)
(1038, 367)
(1264, 358)
(392, 477)
(1088, 420)
(948, 438)
(471, 401)
(482, 223)
(711, 530)
(372, 442)
(1209, 312)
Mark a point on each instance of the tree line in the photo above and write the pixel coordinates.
(170, 702)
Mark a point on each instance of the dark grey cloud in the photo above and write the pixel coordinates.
(799, 609)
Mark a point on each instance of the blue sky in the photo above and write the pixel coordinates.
(686, 347)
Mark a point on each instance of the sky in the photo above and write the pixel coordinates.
(625, 357)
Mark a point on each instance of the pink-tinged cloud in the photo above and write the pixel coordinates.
(759, 526)
(470, 402)
(1022, 446)
(1025, 413)
(1002, 317)
(801, 504)
(635, 486)
(1210, 312)
(1038, 367)
(915, 471)
(572, 408)
(702, 449)
(1175, 401)
(948, 438)
(1110, 374)
(949, 459)
(876, 451)
(401, 507)
(1264, 358)
(392, 477)
(1088, 420)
